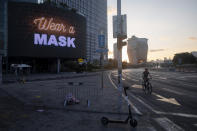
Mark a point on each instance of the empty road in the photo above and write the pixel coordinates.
(173, 103)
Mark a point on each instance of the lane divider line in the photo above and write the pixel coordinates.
(177, 114)
(164, 113)
(159, 112)
(132, 105)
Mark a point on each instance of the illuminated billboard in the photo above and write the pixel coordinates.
(45, 31)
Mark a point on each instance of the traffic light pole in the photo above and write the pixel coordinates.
(119, 46)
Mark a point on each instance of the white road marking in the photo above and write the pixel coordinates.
(155, 75)
(178, 82)
(173, 91)
(136, 86)
(155, 111)
(188, 76)
(183, 84)
(168, 100)
(163, 113)
(167, 124)
(177, 114)
(149, 107)
(132, 105)
(163, 78)
(132, 78)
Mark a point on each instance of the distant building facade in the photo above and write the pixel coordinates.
(194, 53)
(137, 50)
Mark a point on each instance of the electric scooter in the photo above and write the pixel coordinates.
(130, 119)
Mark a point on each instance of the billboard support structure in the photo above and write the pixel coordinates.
(58, 65)
(1, 69)
(6, 35)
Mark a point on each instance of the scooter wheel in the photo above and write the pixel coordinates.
(133, 123)
(104, 120)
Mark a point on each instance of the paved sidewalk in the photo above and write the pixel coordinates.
(52, 93)
(11, 78)
(39, 106)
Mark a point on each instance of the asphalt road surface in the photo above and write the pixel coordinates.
(173, 103)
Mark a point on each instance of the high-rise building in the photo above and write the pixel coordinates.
(95, 12)
(137, 50)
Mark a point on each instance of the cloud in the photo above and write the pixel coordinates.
(157, 50)
(192, 38)
(164, 38)
(111, 10)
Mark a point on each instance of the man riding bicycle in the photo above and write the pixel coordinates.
(146, 75)
(146, 85)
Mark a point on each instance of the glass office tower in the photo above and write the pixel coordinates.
(95, 12)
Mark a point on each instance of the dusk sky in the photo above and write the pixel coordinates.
(169, 25)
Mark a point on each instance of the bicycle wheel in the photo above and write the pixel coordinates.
(150, 88)
(143, 87)
(146, 90)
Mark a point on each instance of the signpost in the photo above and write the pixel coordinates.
(123, 26)
(80, 60)
(119, 32)
(58, 65)
(101, 41)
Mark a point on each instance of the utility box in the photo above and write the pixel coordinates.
(120, 30)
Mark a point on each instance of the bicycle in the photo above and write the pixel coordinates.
(147, 87)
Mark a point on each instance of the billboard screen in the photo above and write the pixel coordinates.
(45, 31)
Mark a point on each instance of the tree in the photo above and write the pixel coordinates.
(111, 64)
(184, 58)
(124, 64)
